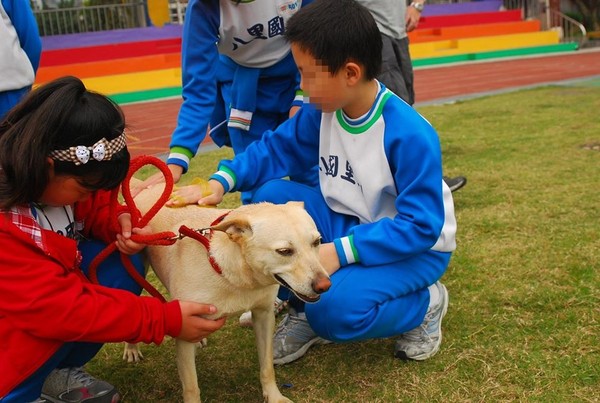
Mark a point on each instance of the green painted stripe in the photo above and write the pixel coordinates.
(561, 47)
(149, 95)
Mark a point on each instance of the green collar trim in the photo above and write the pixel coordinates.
(372, 117)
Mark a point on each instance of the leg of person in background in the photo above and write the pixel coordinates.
(397, 75)
(396, 68)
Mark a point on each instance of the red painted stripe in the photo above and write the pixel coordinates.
(439, 21)
(109, 52)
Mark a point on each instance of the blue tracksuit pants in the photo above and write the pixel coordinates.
(364, 302)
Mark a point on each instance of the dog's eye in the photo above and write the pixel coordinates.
(317, 242)
(285, 251)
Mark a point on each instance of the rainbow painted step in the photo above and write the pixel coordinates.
(144, 64)
(109, 45)
(482, 44)
(467, 7)
(443, 21)
(473, 31)
(175, 90)
(498, 54)
(114, 66)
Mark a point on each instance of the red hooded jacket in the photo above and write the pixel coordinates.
(45, 300)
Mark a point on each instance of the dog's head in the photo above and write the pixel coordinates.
(280, 244)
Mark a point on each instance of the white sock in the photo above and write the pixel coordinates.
(434, 295)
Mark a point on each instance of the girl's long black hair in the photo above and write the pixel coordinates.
(56, 116)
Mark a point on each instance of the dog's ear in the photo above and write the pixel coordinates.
(296, 203)
(235, 229)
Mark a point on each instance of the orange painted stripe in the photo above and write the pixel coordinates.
(110, 67)
(472, 31)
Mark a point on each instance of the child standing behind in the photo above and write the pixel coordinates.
(384, 212)
(238, 77)
(21, 48)
(62, 149)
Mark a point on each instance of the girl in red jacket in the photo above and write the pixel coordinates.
(62, 149)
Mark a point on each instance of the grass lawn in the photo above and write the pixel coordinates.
(524, 283)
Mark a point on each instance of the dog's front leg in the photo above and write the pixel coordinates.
(132, 353)
(264, 327)
(186, 366)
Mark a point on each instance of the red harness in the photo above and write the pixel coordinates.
(199, 235)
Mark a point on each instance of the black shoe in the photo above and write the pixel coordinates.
(455, 183)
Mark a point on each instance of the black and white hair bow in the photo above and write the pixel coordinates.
(102, 150)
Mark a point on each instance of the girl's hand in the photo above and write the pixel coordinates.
(194, 327)
(124, 242)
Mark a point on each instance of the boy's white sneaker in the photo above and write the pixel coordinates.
(424, 341)
(293, 338)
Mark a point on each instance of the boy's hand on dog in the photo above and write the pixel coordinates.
(194, 327)
(202, 193)
(184, 195)
(176, 172)
(216, 196)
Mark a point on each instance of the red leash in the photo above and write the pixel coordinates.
(139, 221)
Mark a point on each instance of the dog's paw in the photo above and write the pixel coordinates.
(276, 398)
(132, 353)
(202, 343)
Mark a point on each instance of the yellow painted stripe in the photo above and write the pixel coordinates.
(482, 44)
(131, 82)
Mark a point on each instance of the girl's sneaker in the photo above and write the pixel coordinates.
(74, 385)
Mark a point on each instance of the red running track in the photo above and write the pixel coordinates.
(151, 124)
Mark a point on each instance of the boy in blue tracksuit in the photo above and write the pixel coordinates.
(239, 77)
(384, 212)
(20, 50)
